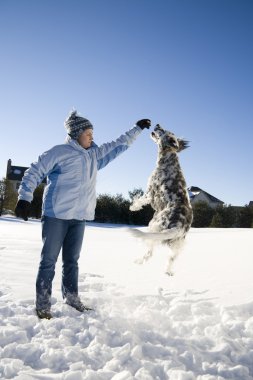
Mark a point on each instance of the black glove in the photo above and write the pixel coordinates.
(144, 123)
(22, 209)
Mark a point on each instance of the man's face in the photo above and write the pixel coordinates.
(86, 138)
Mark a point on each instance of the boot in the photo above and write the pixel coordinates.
(44, 314)
(77, 304)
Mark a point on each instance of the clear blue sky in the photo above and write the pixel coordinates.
(184, 64)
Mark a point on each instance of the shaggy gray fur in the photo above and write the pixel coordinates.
(167, 193)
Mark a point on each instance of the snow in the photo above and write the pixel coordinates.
(197, 324)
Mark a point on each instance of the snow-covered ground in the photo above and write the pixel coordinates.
(146, 325)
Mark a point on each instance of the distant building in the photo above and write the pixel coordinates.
(15, 174)
(198, 195)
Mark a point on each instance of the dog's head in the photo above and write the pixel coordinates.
(167, 140)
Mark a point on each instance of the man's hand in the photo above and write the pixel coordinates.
(144, 123)
(22, 209)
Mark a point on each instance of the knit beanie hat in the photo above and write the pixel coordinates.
(76, 124)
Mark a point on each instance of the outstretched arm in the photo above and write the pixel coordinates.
(109, 151)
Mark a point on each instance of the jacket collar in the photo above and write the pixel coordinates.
(75, 145)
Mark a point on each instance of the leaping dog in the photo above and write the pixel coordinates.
(167, 194)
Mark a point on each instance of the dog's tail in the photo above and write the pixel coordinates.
(171, 234)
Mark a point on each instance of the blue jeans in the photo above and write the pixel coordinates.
(59, 234)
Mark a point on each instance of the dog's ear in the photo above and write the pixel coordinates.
(183, 144)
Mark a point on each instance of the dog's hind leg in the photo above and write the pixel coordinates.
(171, 260)
(147, 255)
(176, 248)
(144, 258)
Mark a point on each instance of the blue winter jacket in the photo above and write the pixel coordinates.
(71, 176)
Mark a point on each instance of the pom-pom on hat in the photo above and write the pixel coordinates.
(75, 125)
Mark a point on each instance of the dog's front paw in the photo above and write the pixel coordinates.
(134, 207)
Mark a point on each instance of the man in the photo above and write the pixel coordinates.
(68, 200)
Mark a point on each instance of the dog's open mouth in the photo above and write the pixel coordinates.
(156, 131)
